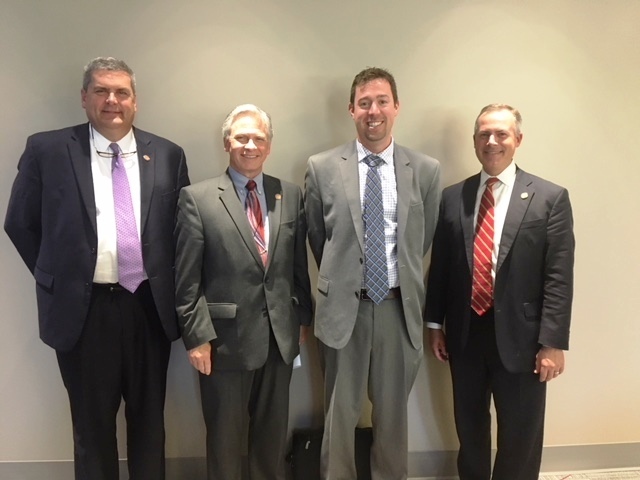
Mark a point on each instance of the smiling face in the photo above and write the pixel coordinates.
(110, 103)
(373, 110)
(496, 140)
(248, 144)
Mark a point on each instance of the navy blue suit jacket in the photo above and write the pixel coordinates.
(534, 274)
(51, 219)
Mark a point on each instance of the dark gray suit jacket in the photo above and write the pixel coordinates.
(224, 293)
(51, 219)
(336, 236)
(534, 276)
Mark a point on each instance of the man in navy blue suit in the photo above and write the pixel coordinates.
(112, 338)
(504, 337)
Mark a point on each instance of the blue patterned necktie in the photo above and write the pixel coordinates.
(130, 265)
(376, 275)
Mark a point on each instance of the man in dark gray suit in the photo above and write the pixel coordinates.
(243, 298)
(371, 331)
(105, 302)
(504, 337)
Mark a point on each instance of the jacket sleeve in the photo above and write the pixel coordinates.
(194, 319)
(24, 213)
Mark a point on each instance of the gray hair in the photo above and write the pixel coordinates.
(244, 109)
(497, 107)
(107, 63)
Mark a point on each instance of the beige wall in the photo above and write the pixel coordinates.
(571, 66)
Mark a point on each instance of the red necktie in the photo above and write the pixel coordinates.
(254, 214)
(482, 288)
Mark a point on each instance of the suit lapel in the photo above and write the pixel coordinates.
(147, 166)
(521, 196)
(80, 154)
(467, 207)
(273, 197)
(231, 202)
(404, 179)
(351, 183)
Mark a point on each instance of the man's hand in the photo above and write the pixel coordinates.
(437, 342)
(201, 357)
(549, 363)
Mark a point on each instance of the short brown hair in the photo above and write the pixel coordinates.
(373, 73)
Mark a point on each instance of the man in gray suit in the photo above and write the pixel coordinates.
(371, 334)
(243, 299)
(504, 337)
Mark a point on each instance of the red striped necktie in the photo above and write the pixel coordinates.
(254, 214)
(482, 287)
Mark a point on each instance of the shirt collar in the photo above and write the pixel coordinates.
(127, 143)
(386, 155)
(507, 176)
(240, 181)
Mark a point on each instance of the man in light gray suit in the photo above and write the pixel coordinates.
(372, 343)
(243, 299)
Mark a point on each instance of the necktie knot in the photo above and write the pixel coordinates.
(115, 148)
(491, 181)
(251, 185)
(373, 160)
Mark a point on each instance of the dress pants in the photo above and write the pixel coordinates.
(246, 414)
(122, 353)
(379, 360)
(519, 399)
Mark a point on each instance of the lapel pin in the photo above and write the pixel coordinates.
(146, 157)
(524, 195)
(278, 196)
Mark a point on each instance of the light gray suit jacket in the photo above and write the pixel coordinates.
(336, 233)
(224, 293)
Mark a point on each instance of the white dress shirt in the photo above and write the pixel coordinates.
(107, 259)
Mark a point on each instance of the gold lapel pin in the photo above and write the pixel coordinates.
(278, 196)
(524, 195)
(146, 157)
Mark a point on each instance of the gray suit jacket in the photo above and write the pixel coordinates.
(534, 274)
(336, 233)
(224, 293)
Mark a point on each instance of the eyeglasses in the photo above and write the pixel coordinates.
(109, 154)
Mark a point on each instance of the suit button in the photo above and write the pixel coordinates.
(266, 279)
(361, 261)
